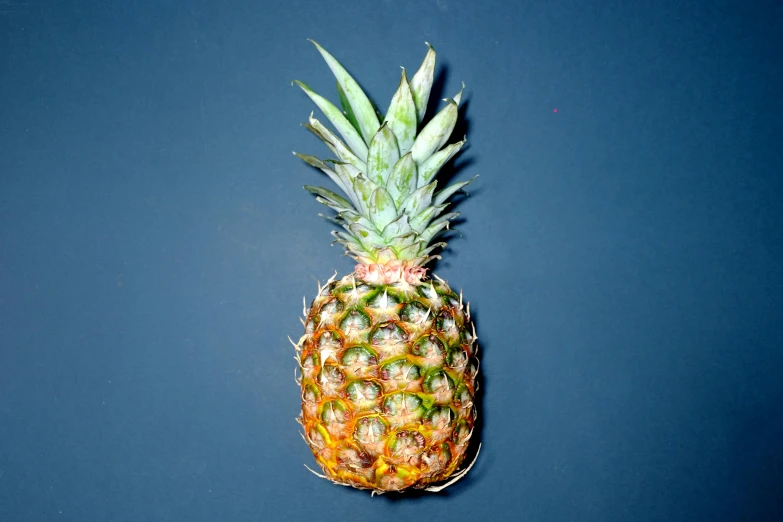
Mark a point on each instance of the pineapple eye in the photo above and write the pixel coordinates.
(452, 301)
(462, 432)
(334, 412)
(332, 306)
(439, 417)
(310, 361)
(383, 300)
(438, 381)
(330, 339)
(401, 371)
(389, 333)
(360, 391)
(429, 347)
(369, 430)
(311, 394)
(358, 356)
(356, 459)
(445, 322)
(457, 358)
(318, 437)
(414, 312)
(404, 404)
(428, 291)
(355, 320)
(406, 443)
(440, 455)
(331, 375)
(462, 397)
(473, 368)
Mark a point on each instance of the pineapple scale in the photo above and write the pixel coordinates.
(388, 376)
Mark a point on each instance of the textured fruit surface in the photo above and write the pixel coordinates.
(388, 376)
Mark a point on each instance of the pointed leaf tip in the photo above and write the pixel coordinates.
(421, 83)
(359, 103)
(401, 115)
(435, 133)
(338, 119)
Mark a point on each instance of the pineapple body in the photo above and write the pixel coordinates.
(388, 359)
(388, 380)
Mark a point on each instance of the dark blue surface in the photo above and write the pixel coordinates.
(622, 254)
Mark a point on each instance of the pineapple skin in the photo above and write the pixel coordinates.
(388, 377)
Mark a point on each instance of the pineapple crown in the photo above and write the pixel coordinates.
(386, 167)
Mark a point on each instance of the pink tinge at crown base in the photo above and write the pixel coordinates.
(391, 272)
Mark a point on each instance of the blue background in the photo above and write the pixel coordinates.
(621, 251)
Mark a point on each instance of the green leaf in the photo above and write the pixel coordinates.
(430, 167)
(363, 221)
(400, 242)
(359, 184)
(382, 210)
(340, 122)
(336, 201)
(435, 228)
(345, 215)
(421, 83)
(446, 193)
(458, 97)
(382, 156)
(435, 133)
(347, 108)
(397, 228)
(419, 200)
(401, 115)
(350, 242)
(367, 236)
(432, 247)
(403, 178)
(422, 219)
(363, 188)
(335, 144)
(411, 251)
(343, 182)
(361, 106)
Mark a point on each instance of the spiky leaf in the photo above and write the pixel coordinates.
(347, 110)
(368, 235)
(446, 193)
(422, 219)
(340, 122)
(382, 156)
(361, 106)
(335, 144)
(421, 83)
(364, 189)
(340, 180)
(392, 211)
(419, 200)
(403, 178)
(336, 201)
(382, 210)
(430, 167)
(401, 116)
(435, 133)
(398, 227)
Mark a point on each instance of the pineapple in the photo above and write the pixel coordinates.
(388, 359)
